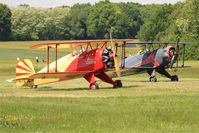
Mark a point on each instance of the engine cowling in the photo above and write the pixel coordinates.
(107, 57)
(172, 56)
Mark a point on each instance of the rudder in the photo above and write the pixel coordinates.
(24, 69)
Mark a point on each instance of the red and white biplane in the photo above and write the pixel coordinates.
(96, 58)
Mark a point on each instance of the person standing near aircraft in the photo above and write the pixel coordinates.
(37, 59)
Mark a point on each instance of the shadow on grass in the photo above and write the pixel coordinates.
(78, 89)
(147, 81)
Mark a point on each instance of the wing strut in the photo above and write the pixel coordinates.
(48, 58)
(123, 54)
(177, 49)
(183, 55)
(56, 58)
(116, 62)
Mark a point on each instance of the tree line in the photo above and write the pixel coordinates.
(151, 22)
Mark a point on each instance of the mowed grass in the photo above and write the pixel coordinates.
(140, 106)
(114, 114)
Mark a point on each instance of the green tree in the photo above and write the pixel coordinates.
(78, 21)
(128, 24)
(53, 25)
(123, 19)
(101, 19)
(191, 9)
(155, 25)
(38, 24)
(185, 22)
(5, 22)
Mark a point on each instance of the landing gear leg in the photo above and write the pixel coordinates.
(166, 74)
(104, 77)
(152, 75)
(91, 79)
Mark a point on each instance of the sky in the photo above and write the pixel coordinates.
(54, 3)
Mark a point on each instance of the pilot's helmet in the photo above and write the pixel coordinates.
(147, 50)
(141, 52)
(109, 49)
(105, 51)
(74, 53)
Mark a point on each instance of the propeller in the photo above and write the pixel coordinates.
(173, 59)
(174, 53)
(116, 62)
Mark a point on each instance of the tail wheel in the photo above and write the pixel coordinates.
(118, 84)
(35, 86)
(152, 79)
(174, 78)
(94, 86)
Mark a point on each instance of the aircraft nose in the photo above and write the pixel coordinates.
(173, 57)
(107, 57)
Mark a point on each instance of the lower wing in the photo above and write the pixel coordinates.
(59, 75)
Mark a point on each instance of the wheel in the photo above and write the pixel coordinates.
(152, 79)
(174, 78)
(35, 86)
(118, 84)
(94, 86)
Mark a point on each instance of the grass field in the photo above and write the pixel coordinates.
(69, 106)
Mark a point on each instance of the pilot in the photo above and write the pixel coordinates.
(82, 50)
(109, 49)
(147, 50)
(37, 59)
(74, 53)
(18, 58)
(141, 52)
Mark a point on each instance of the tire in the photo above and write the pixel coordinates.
(35, 86)
(152, 79)
(118, 84)
(174, 78)
(94, 86)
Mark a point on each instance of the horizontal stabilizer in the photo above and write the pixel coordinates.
(11, 80)
(134, 44)
(24, 69)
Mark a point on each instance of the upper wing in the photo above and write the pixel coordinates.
(148, 67)
(134, 44)
(71, 44)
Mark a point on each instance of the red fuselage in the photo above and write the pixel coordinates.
(88, 61)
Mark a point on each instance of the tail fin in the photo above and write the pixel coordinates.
(24, 69)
